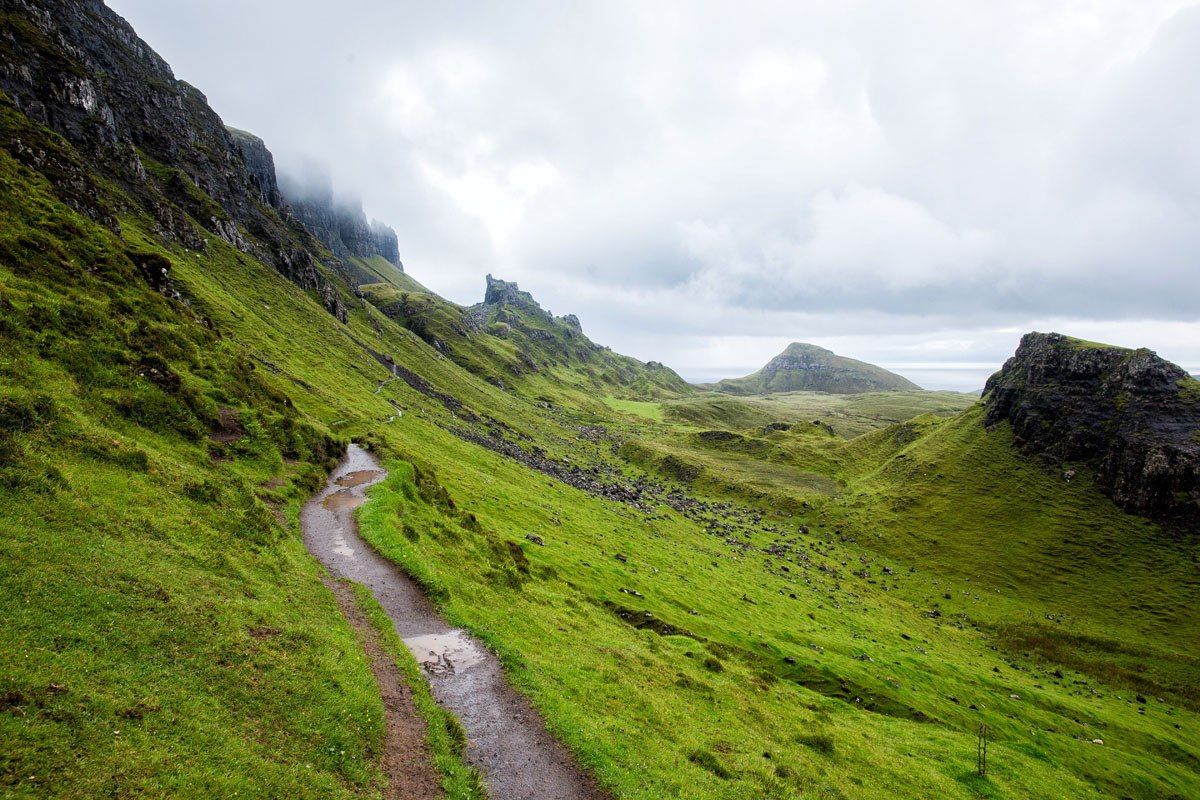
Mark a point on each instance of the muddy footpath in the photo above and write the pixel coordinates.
(506, 738)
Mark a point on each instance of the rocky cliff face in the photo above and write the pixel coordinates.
(260, 164)
(502, 298)
(78, 68)
(1132, 416)
(808, 368)
(500, 292)
(339, 225)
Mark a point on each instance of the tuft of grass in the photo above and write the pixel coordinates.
(1189, 390)
(816, 741)
(706, 760)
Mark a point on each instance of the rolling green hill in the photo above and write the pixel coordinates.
(848, 414)
(808, 368)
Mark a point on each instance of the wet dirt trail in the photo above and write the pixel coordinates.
(506, 739)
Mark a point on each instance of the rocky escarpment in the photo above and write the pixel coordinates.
(504, 302)
(808, 368)
(260, 164)
(546, 341)
(1130, 415)
(79, 69)
(339, 224)
(500, 292)
(509, 337)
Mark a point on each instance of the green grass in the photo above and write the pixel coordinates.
(166, 634)
(640, 408)
(859, 596)
(378, 269)
(1189, 390)
(1087, 344)
(165, 631)
(848, 414)
(724, 687)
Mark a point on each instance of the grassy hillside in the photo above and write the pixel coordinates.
(848, 414)
(776, 661)
(378, 270)
(748, 654)
(166, 632)
(516, 345)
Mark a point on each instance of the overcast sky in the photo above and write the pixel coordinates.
(910, 183)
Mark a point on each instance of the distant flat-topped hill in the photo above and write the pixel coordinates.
(808, 368)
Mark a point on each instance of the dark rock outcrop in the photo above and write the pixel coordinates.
(808, 368)
(1129, 414)
(543, 341)
(500, 292)
(78, 68)
(260, 164)
(339, 224)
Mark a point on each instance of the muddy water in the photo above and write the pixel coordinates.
(506, 739)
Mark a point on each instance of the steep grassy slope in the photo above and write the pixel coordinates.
(163, 631)
(378, 270)
(162, 420)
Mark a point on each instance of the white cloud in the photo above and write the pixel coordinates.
(702, 183)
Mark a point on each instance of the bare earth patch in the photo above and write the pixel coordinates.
(407, 760)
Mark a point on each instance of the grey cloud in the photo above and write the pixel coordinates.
(696, 179)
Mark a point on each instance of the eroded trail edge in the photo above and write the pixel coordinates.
(407, 760)
(506, 738)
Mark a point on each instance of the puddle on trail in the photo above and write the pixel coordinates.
(444, 653)
(359, 477)
(343, 501)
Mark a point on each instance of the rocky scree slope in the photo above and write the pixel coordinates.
(808, 368)
(1129, 414)
(79, 69)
